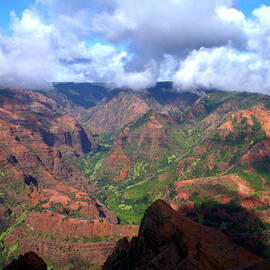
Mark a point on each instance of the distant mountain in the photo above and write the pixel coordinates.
(124, 107)
(104, 107)
(86, 95)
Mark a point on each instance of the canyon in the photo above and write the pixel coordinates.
(80, 165)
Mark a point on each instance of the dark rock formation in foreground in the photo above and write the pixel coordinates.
(168, 240)
(29, 261)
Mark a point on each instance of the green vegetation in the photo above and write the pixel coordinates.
(232, 219)
(105, 140)
(129, 198)
(241, 100)
(19, 221)
(252, 177)
(140, 169)
(18, 188)
(215, 99)
(141, 121)
(75, 239)
(92, 162)
(66, 127)
(186, 138)
(12, 250)
(7, 254)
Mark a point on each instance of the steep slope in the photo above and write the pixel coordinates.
(168, 240)
(234, 142)
(121, 107)
(40, 189)
(76, 98)
(34, 113)
(64, 224)
(105, 108)
(82, 94)
(116, 111)
(229, 204)
(140, 155)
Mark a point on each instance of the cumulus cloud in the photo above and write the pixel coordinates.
(224, 68)
(207, 44)
(20, 57)
(174, 27)
(38, 53)
(137, 80)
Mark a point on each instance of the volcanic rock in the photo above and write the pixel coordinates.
(29, 261)
(169, 240)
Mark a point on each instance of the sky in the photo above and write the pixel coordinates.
(247, 6)
(221, 44)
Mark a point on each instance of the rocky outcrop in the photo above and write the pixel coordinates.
(255, 115)
(39, 185)
(66, 223)
(147, 136)
(61, 253)
(29, 261)
(37, 117)
(116, 112)
(227, 203)
(66, 227)
(258, 155)
(34, 132)
(168, 240)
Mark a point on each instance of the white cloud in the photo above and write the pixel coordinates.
(231, 15)
(38, 53)
(26, 56)
(137, 80)
(224, 68)
(158, 27)
(228, 68)
(198, 44)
